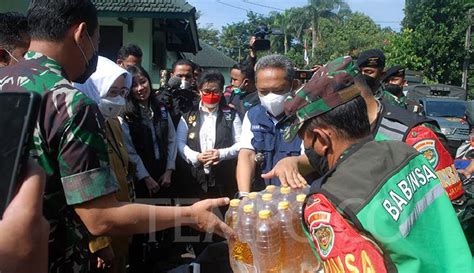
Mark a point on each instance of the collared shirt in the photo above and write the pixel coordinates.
(394, 100)
(247, 134)
(70, 145)
(207, 137)
(142, 172)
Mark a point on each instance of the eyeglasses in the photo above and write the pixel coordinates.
(113, 92)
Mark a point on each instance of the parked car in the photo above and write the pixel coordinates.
(451, 116)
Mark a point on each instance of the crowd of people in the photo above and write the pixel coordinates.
(128, 171)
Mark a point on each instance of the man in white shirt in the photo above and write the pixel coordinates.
(208, 139)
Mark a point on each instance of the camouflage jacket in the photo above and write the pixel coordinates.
(70, 145)
(394, 100)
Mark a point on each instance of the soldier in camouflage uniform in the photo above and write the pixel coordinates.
(393, 82)
(387, 122)
(68, 144)
(69, 140)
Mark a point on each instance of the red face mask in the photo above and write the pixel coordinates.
(211, 98)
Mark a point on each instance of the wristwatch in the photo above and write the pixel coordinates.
(241, 194)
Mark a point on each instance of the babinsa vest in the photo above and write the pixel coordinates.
(402, 125)
(383, 209)
(224, 125)
(269, 143)
(142, 138)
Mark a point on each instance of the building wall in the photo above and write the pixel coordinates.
(140, 36)
(14, 5)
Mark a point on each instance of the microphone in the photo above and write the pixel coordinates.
(174, 82)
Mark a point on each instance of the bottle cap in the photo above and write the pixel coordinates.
(234, 202)
(285, 190)
(252, 195)
(248, 208)
(267, 197)
(270, 188)
(300, 198)
(264, 214)
(283, 205)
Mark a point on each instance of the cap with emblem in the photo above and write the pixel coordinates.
(332, 85)
(371, 58)
(394, 71)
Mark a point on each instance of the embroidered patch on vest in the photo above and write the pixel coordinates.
(191, 119)
(324, 236)
(427, 148)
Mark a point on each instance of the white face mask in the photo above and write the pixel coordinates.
(111, 107)
(274, 103)
(185, 84)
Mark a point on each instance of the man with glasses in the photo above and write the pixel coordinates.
(14, 38)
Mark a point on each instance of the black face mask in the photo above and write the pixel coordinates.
(91, 64)
(372, 83)
(90, 68)
(394, 89)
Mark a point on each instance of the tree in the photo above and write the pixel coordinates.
(235, 37)
(318, 9)
(438, 37)
(209, 35)
(399, 50)
(351, 35)
(283, 22)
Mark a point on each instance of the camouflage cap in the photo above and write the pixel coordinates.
(331, 85)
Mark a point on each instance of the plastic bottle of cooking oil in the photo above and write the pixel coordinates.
(291, 252)
(250, 200)
(231, 219)
(309, 261)
(267, 243)
(246, 232)
(286, 194)
(268, 203)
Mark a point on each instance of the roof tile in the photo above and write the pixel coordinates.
(178, 6)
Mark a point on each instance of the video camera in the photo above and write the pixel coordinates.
(261, 43)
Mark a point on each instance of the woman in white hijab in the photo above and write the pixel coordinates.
(108, 87)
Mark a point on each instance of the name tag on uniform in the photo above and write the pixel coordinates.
(256, 128)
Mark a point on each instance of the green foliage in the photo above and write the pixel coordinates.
(399, 50)
(438, 29)
(209, 35)
(349, 36)
(431, 41)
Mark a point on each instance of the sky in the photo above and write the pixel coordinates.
(386, 13)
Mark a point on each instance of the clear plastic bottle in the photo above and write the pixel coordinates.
(270, 189)
(286, 194)
(309, 261)
(267, 243)
(268, 203)
(251, 199)
(246, 233)
(291, 252)
(231, 219)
